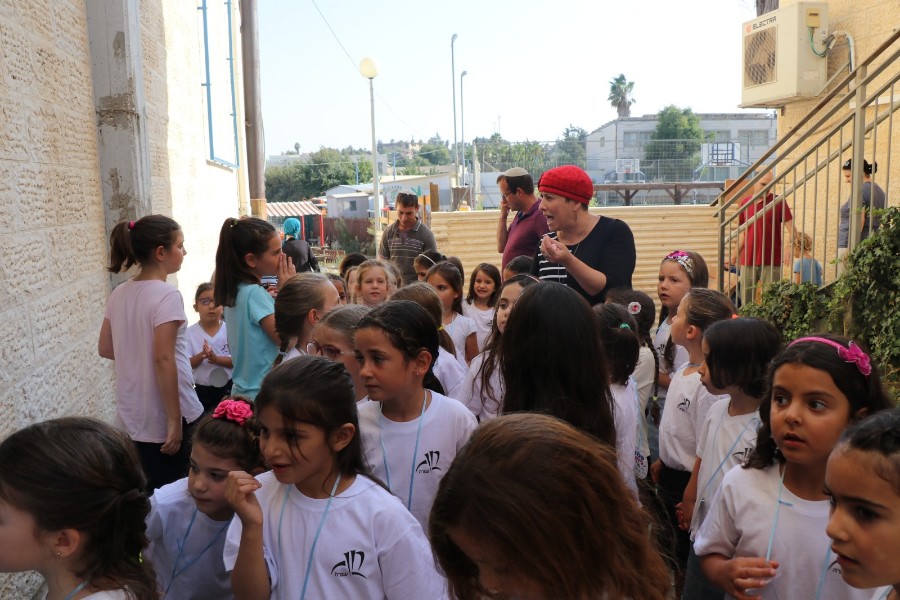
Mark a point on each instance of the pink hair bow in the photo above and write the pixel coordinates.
(854, 354)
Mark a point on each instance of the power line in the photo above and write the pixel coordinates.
(354, 62)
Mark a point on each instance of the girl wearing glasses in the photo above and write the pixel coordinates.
(333, 338)
(301, 303)
(208, 348)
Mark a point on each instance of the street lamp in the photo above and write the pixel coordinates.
(453, 78)
(368, 68)
(462, 128)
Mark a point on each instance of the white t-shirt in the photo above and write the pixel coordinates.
(449, 372)
(625, 417)
(482, 320)
(134, 310)
(686, 408)
(724, 442)
(446, 427)
(219, 343)
(475, 398)
(369, 547)
(459, 329)
(660, 339)
(644, 374)
(740, 523)
(200, 573)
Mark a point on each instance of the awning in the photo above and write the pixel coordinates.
(292, 209)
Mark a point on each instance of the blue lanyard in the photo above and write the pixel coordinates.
(175, 571)
(775, 520)
(77, 589)
(312, 550)
(740, 435)
(412, 473)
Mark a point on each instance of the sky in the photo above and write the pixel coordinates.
(534, 67)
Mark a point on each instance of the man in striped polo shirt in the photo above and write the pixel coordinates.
(406, 238)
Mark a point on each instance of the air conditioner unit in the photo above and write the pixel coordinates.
(779, 55)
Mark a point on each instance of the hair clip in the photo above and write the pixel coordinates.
(233, 410)
(684, 259)
(851, 354)
(624, 326)
(735, 316)
(130, 225)
(634, 308)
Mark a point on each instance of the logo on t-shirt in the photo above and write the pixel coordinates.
(742, 455)
(351, 565)
(684, 405)
(430, 463)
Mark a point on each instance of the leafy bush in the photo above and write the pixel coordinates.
(796, 309)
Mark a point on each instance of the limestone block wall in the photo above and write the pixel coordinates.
(52, 240)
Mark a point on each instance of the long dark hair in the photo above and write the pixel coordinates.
(552, 361)
(410, 329)
(229, 439)
(862, 391)
(492, 348)
(525, 482)
(237, 238)
(320, 392)
(83, 474)
(488, 270)
(425, 295)
(133, 242)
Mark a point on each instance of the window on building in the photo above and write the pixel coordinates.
(351, 205)
(217, 79)
(754, 137)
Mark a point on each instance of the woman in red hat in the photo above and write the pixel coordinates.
(592, 254)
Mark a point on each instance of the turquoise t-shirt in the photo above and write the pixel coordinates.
(252, 350)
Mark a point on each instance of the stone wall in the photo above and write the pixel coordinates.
(53, 243)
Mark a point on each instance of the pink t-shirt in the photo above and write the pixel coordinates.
(134, 310)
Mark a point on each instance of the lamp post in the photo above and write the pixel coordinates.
(368, 68)
(462, 128)
(453, 78)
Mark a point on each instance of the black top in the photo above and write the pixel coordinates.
(608, 248)
(300, 253)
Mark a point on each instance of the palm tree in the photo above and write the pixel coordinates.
(619, 95)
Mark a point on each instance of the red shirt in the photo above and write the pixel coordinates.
(762, 240)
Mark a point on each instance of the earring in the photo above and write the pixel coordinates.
(416, 373)
(58, 554)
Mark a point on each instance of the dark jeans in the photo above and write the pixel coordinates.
(671, 488)
(211, 396)
(160, 468)
(696, 585)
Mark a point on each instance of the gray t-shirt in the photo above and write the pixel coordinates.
(879, 202)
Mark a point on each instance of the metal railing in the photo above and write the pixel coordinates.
(810, 201)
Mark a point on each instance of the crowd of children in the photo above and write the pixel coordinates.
(346, 437)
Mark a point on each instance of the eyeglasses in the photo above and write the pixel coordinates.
(327, 351)
(205, 301)
(508, 194)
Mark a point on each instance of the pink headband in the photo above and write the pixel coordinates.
(851, 354)
(233, 410)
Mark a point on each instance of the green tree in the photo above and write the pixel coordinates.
(435, 151)
(620, 95)
(325, 169)
(675, 147)
(570, 150)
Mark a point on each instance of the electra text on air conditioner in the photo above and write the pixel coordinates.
(763, 23)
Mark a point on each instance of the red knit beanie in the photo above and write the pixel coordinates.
(569, 182)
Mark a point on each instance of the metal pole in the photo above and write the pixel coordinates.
(462, 128)
(453, 78)
(375, 190)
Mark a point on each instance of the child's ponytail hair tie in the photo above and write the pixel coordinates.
(130, 225)
(233, 410)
